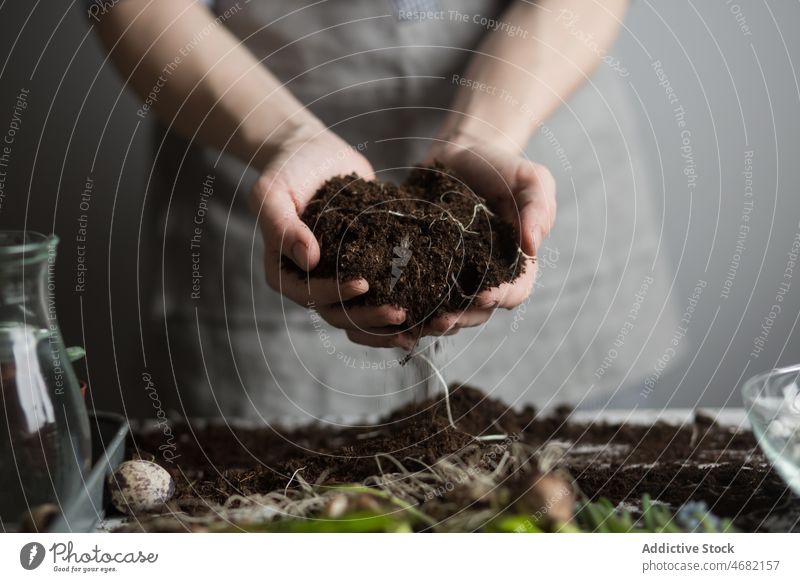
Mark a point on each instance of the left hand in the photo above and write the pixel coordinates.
(522, 193)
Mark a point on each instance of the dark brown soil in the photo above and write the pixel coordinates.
(428, 246)
(674, 464)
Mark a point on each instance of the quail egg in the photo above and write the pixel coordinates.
(140, 486)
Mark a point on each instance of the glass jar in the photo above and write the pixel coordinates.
(772, 402)
(45, 445)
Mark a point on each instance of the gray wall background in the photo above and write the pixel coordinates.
(731, 65)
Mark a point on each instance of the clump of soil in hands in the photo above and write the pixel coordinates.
(427, 246)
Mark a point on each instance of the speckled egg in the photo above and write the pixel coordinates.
(140, 486)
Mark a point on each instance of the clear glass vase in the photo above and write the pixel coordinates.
(45, 445)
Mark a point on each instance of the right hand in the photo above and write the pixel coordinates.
(302, 164)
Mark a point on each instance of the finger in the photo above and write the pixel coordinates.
(362, 317)
(382, 337)
(509, 295)
(454, 321)
(536, 199)
(311, 291)
(429, 332)
(280, 221)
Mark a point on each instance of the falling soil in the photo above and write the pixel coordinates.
(428, 245)
(699, 460)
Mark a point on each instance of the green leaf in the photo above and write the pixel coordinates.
(514, 524)
(357, 522)
(75, 353)
(412, 510)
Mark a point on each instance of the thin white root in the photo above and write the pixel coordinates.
(463, 228)
(474, 469)
(329, 209)
(444, 387)
(550, 456)
(286, 489)
(475, 212)
(491, 437)
(392, 212)
(443, 382)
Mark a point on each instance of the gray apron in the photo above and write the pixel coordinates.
(595, 324)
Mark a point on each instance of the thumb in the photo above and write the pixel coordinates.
(283, 230)
(537, 209)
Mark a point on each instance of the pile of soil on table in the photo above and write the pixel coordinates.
(673, 464)
(428, 245)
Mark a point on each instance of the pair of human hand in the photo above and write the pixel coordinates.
(518, 190)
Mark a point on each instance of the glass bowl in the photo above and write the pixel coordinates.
(772, 402)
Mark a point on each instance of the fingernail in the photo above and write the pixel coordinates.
(299, 255)
(360, 285)
(537, 237)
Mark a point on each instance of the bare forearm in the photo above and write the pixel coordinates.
(517, 81)
(209, 87)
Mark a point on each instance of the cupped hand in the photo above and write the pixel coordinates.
(301, 165)
(522, 193)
